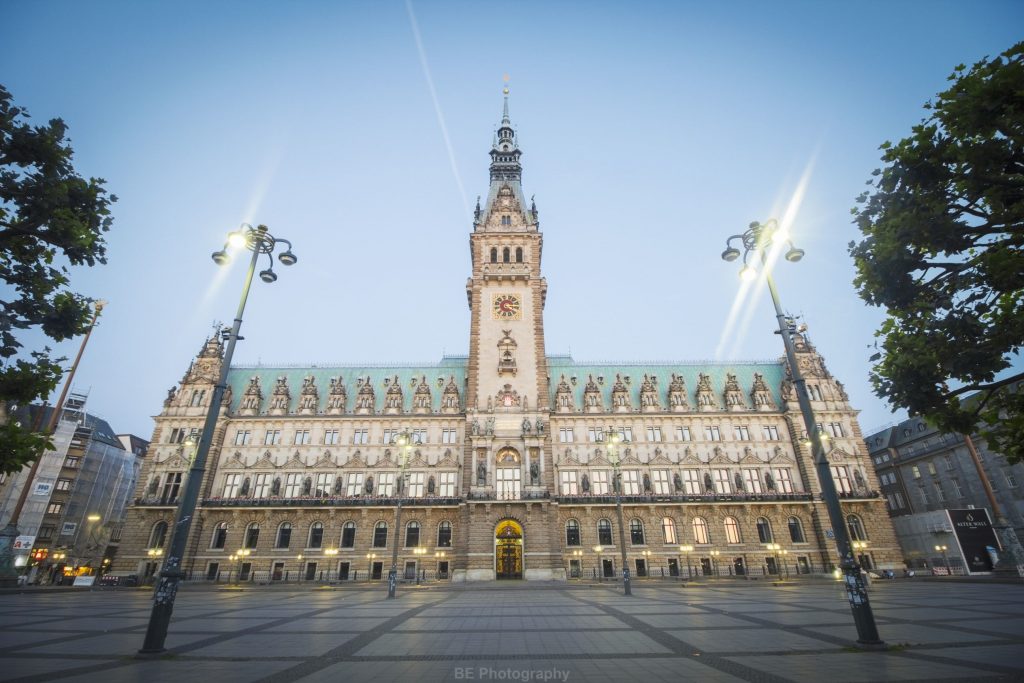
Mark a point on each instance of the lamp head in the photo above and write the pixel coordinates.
(748, 274)
(221, 257)
(236, 239)
(93, 518)
(794, 254)
(730, 254)
(268, 276)
(287, 258)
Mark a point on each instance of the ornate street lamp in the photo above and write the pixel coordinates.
(686, 550)
(403, 442)
(613, 440)
(259, 242)
(945, 558)
(758, 240)
(714, 559)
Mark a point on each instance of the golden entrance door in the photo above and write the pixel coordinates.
(508, 550)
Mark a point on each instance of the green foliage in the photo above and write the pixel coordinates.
(943, 252)
(50, 219)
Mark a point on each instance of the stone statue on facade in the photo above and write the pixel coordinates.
(534, 473)
(481, 474)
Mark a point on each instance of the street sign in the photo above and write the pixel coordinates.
(24, 542)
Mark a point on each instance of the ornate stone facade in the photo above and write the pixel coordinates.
(510, 476)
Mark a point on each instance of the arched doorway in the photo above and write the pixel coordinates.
(508, 550)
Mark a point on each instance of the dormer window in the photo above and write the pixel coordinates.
(506, 220)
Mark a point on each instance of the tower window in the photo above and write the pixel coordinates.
(519, 254)
(494, 255)
(506, 255)
(506, 220)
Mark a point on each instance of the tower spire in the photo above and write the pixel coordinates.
(506, 177)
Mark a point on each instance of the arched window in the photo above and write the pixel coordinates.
(348, 535)
(506, 255)
(636, 532)
(494, 254)
(380, 535)
(764, 530)
(444, 535)
(316, 535)
(856, 527)
(220, 536)
(412, 535)
(700, 531)
(604, 532)
(158, 536)
(732, 530)
(284, 535)
(572, 532)
(668, 527)
(252, 536)
(796, 530)
(519, 254)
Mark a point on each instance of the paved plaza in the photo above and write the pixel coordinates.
(953, 631)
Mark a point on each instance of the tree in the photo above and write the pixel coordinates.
(943, 252)
(50, 219)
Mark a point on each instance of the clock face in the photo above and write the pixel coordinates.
(507, 307)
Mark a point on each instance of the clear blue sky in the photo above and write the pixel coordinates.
(650, 132)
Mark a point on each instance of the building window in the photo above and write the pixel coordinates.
(506, 253)
(380, 535)
(494, 254)
(796, 530)
(626, 433)
(604, 532)
(940, 495)
(700, 531)
(569, 485)
(958, 488)
(172, 486)
(752, 480)
(302, 437)
(158, 535)
(691, 482)
(668, 528)
(232, 482)
(931, 468)
(272, 437)
(712, 434)
(630, 482)
(506, 220)
(416, 485)
(446, 484)
(355, 483)
(732, 531)
(252, 536)
(262, 485)
(519, 254)
(835, 429)
(243, 437)
(572, 532)
(722, 482)
(948, 457)
(348, 535)
(636, 532)
(419, 436)
(331, 437)
(444, 535)
(841, 476)
(412, 535)
(62, 484)
(595, 434)
(389, 436)
(449, 436)
(783, 480)
(771, 433)
(46, 532)
(361, 436)
(386, 484)
(764, 530)
(322, 487)
(654, 433)
(566, 435)
(599, 482)
(923, 495)
(659, 479)
(683, 433)
(741, 433)
(316, 535)
(1011, 480)
(220, 536)
(284, 535)
(293, 485)
(856, 527)
(814, 392)
(72, 462)
(916, 471)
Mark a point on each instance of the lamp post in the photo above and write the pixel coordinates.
(714, 559)
(686, 550)
(331, 554)
(370, 557)
(613, 440)
(600, 569)
(945, 558)
(758, 240)
(439, 556)
(403, 442)
(259, 242)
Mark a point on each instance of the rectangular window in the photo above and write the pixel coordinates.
(836, 429)
(931, 468)
(841, 476)
(416, 484)
(54, 508)
(722, 482)
(302, 437)
(46, 532)
(814, 392)
(322, 487)
(293, 485)
(172, 486)
(595, 434)
(916, 471)
(243, 437)
(449, 436)
(599, 482)
(691, 482)
(72, 462)
(569, 483)
(566, 435)
(361, 436)
(940, 495)
(630, 482)
(232, 483)
(771, 433)
(683, 433)
(331, 437)
(899, 500)
(355, 483)
(389, 436)
(386, 484)
(712, 434)
(62, 484)
(923, 495)
(627, 434)
(419, 436)
(948, 457)
(660, 483)
(272, 437)
(741, 433)
(262, 485)
(958, 488)
(654, 433)
(783, 480)
(446, 484)
(1011, 480)
(752, 480)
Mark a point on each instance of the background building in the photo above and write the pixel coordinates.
(510, 476)
(924, 473)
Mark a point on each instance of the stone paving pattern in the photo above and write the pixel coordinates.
(520, 632)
